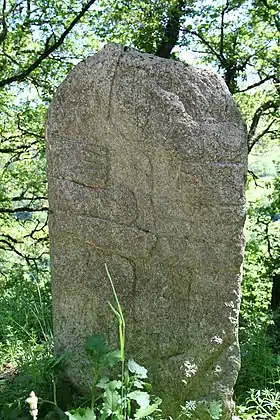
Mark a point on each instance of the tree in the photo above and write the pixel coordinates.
(40, 42)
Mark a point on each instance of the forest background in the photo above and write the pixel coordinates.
(40, 42)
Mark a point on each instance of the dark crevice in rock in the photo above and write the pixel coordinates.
(112, 83)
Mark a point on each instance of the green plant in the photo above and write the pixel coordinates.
(119, 314)
(191, 409)
(25, 316)
(261, 404)
(26, 339)
(118, 396)
(42, 375)
(259, 332)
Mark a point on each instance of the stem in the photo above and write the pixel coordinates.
(95, 379)
(121, 321)
(54, 391)
(122, 342)
(119, 313)
(122, 391)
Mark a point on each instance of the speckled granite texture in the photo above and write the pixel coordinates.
(146, 165)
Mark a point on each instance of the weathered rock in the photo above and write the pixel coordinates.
(146, 166)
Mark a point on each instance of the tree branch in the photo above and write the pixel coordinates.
(256, 119)
(224, 10)
(11, 247)
(38, 228)
(26, 132)
(18, 150)
(23, 198)
(22, 209)
(9, 57)
(9, 244)
(255, 178)
(4, 31)
(171, 30)
(10, 238)
(254, 141)
(48, 49)
(277, 23)
(257, 83)
(206, 43)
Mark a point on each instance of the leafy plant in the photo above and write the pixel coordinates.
(261, 404)
(118, 396)
(192, 408)
(215, 410)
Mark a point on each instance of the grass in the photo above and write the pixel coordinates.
(25, 335)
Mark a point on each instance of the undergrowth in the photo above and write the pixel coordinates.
(121, 394)
(27, 360)
(25, 337)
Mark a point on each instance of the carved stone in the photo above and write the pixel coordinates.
(146, 166)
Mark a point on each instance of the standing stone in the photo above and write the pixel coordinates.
(146, 167)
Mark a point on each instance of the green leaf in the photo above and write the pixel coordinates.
(111, 402)
(138, 384)
(57, 363)
(111, 358)
(116, 384)
(215, 410)
(138, 370)
(147, 386)
(96, 347)
(81, 414)
(277, 415)
(103, 382)
(143, 412)
(142, 398)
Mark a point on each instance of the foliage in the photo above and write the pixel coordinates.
(39, 44)
(24, 317)
(26, 342)
(262, 249)
(113, 396)
(214, 409)
(264, 404)
(237, 38)
(259, 332)
(116, 398)
(41, 373)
